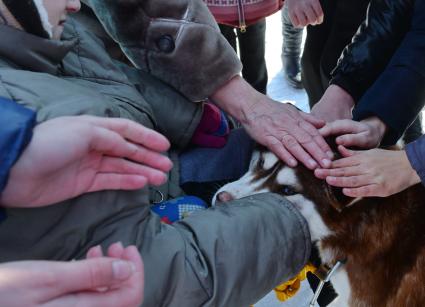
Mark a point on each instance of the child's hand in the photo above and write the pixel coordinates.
(375, 172)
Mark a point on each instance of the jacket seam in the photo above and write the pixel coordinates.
(183, 225)
(77, 47)
(6, 89)
(304, 229)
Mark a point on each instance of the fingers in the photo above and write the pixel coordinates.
(94, 252)
(311, 16)
(132, 131)
(312, 148)
(90, 274)
(346, 152)
(112, 144)
(342, 126)
(294, 19)
(362, 140)
(116, 250)
(119, 182)
(319, 141)
(316, 122)
(318, 11)
(307, 13)
(349, 182)
(110, 165)
(364, 191)
(276, 147)
(127, 292)
(337, 172)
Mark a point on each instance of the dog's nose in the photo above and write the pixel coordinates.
(224, 196)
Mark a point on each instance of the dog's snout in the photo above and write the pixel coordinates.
(224, 197)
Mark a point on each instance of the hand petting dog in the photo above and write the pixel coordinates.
(291, 134)
(375, 172)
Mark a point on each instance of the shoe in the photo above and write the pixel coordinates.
(292, 71)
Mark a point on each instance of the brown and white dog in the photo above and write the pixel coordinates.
(382, 240)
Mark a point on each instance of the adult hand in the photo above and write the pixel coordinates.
(365, 134)
(305, 12)
(69, 156)
(375, 172)
(335, 104)
(88, 283)
(291, 134)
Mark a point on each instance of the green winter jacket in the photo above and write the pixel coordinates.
(227, 256)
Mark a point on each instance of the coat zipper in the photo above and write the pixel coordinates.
(241, 13)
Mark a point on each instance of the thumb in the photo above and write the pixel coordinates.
(91, 274)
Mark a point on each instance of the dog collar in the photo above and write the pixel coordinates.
(324, 273)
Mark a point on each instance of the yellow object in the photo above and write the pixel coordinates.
(288, 289)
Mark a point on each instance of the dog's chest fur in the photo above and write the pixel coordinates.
(382, 239)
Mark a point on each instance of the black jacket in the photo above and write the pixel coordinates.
(384, 67)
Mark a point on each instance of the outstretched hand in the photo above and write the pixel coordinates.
(375, 172)
(365, 134)
(69, 156)
(291, 134)
(108, 282)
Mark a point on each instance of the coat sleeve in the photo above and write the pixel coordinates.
(17, 123)
(372, 47)
(178, 42)
(398, 95)
(416, 154)
(229, 255)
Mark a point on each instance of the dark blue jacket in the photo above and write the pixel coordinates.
(384, 68)
(16, 123)
(416, 154)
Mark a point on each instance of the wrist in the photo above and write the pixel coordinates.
(377, 125)
(341, 95)
(237, 98)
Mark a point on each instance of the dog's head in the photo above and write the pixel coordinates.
(313, 197)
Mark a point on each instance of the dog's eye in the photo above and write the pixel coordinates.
(288, 191)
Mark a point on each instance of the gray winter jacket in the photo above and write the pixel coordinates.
(226, 256)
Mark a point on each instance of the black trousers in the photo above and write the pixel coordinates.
(325, 43)
(251, 52)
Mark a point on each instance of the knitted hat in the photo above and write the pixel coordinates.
(31, 15)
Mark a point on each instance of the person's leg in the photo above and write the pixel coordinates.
(348, 16)
(291, 50)
(252, 47)
(204, 170)
(313, 50)
(229, 33)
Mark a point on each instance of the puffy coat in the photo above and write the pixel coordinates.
(226, 256)
(383, 68)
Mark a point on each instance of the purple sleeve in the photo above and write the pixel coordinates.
(416, 155)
